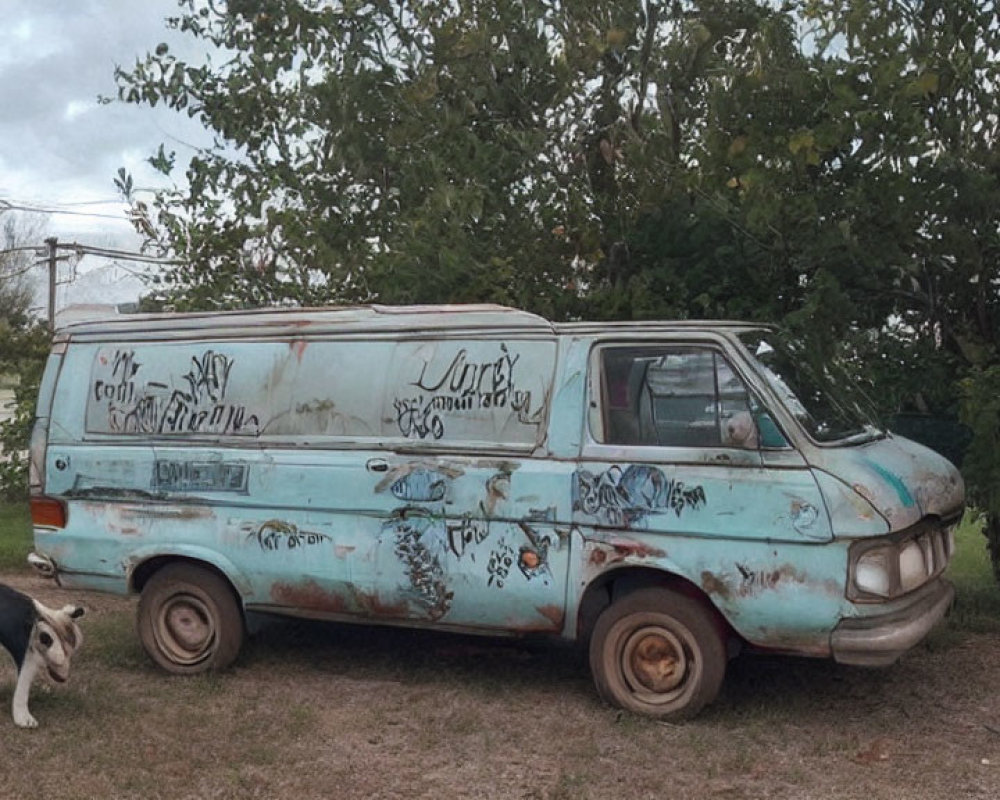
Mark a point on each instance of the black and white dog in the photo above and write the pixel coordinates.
(38, 638)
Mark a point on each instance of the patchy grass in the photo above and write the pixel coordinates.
(15, 535)
(977, 598)
(313, 710)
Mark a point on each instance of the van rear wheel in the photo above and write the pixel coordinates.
(657, 653)
(189, 620)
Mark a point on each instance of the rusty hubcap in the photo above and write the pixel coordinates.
(654, 660)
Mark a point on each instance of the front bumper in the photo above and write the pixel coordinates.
(880, 640)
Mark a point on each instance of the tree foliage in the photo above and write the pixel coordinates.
(829, 164)
(24, 344)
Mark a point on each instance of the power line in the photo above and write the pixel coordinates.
(90, 250)
(7, 205)
(107, 252)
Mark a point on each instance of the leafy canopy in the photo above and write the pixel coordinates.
(832, 164)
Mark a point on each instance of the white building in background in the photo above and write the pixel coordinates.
(106, 285)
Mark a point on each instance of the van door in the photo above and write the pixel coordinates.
(682, 464)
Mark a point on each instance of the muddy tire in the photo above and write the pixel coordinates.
(657, 653)
(189, 620)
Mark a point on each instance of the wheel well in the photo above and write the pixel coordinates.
(147, 569)
(614, 584)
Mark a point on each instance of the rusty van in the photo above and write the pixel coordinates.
(664, 491)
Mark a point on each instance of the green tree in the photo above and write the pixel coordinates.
(829, 164)
(429, 151)
(24, 344)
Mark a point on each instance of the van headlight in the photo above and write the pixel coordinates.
(873, 571)
(888, 567)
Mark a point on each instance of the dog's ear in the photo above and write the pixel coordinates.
(74, 612)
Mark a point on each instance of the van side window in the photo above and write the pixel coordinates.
(674, 397)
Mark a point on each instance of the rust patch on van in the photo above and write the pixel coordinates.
(309, 595)
(171, 512)
(711, 584)
(626, 548)
(553, 613)
(298, 346)
(749, 582)
(615, 550)
(372, 605)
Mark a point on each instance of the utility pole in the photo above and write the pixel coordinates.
(52, 241)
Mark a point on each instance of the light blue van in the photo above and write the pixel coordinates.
(665, 491)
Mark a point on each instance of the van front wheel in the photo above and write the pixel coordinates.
(189, 620)
(658, 653)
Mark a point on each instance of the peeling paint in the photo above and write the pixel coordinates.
(183, 512)
(713, 586)
(497, 489)
(615, 550)
(374, 606)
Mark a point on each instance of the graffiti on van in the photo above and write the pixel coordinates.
(122, 402)
(418, 482)
(416, 418)
(419, 544)
(533, 558)
(420, 486)
(466, 533)
(464, 386)
(276, 535)
(500, 563)
(199, 476)
(625, 498)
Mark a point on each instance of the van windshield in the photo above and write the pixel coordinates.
(821, 395)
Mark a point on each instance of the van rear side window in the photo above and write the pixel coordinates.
(462, 391)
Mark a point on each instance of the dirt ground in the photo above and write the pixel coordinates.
(328, 711)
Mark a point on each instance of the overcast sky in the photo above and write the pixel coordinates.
(59, 148)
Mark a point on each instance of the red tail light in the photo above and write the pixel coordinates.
(48, 513)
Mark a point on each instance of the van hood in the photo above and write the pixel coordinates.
(902, 480)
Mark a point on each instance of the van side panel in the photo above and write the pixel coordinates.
(323, 477)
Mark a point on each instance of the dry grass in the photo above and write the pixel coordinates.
(324, 711)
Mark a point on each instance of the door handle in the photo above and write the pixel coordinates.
(377, 465)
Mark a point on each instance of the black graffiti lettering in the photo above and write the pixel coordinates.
(463, 386)
(498, 567)
(464, 533)
(209, 376)
(158, 407)
(124, 365)
(417, 419)
(276, 535)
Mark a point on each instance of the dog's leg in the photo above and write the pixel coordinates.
(25, 677)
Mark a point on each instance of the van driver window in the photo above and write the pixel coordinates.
(674, 397)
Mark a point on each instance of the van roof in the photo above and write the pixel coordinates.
(281, 322)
